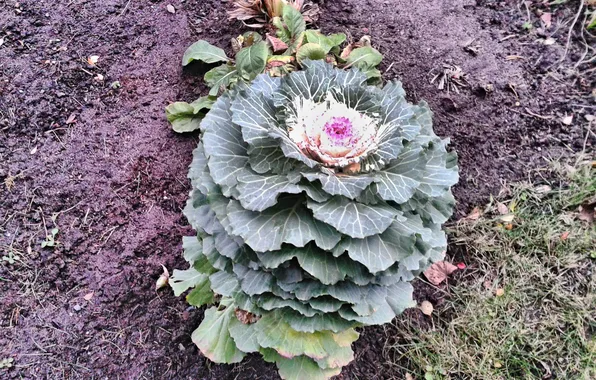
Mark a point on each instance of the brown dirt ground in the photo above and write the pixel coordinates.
(99, 161)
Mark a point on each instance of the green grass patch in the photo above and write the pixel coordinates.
(525, 307)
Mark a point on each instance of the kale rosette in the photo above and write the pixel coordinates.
(316, 200)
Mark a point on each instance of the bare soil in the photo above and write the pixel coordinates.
(94, 157)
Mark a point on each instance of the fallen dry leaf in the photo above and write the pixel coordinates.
(502, 209)
(499, 292)
(546, 19)
(163, 279)
(92, 60)
(88, 296)
(71, 119)
(276, 43)
(438, 272)
(426, 308)
(474, 215)
(346, 51)
(498, 365)
(567, 120)
(171, 8)
(564, 235)
(245, 317)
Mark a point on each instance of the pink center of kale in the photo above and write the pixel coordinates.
(339, 129)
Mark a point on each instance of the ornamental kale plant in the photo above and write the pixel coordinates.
(316, 200)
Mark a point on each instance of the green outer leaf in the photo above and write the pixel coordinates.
(341, 184)
(276, 333)
(255, 113)
(204, 102)
(320, 264)
(182, 280)
(296, 27)
(245, 336)
(198, 172)
(310, 51)
(399, 297)
(282, 32)
(269, 158)
(220, 76)
(224, 283)
(224, 146)
(271, 302)
(192, 248)
(354, 219)
(253, 282)
(213, 337)
(379, 252)
(329, 321)
(398, 182)
(302, 367)
(437, 178)
(287, 222)
(326, 42)
(251, 61)
(201, 294)
(259, 192)
(205, 52)
(364, 57)
(183, 118)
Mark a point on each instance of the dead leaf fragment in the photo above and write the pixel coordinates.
(567, 120)
(88, 296)
(500, 292)
(438, 272)
(71, 119)
(171, 8)
(163, 279)
(474, 215)
(502, 209)
(498, 365)
(92, 60)
(245, 317)
(546, 19)
(276, 43)
(426, 308)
